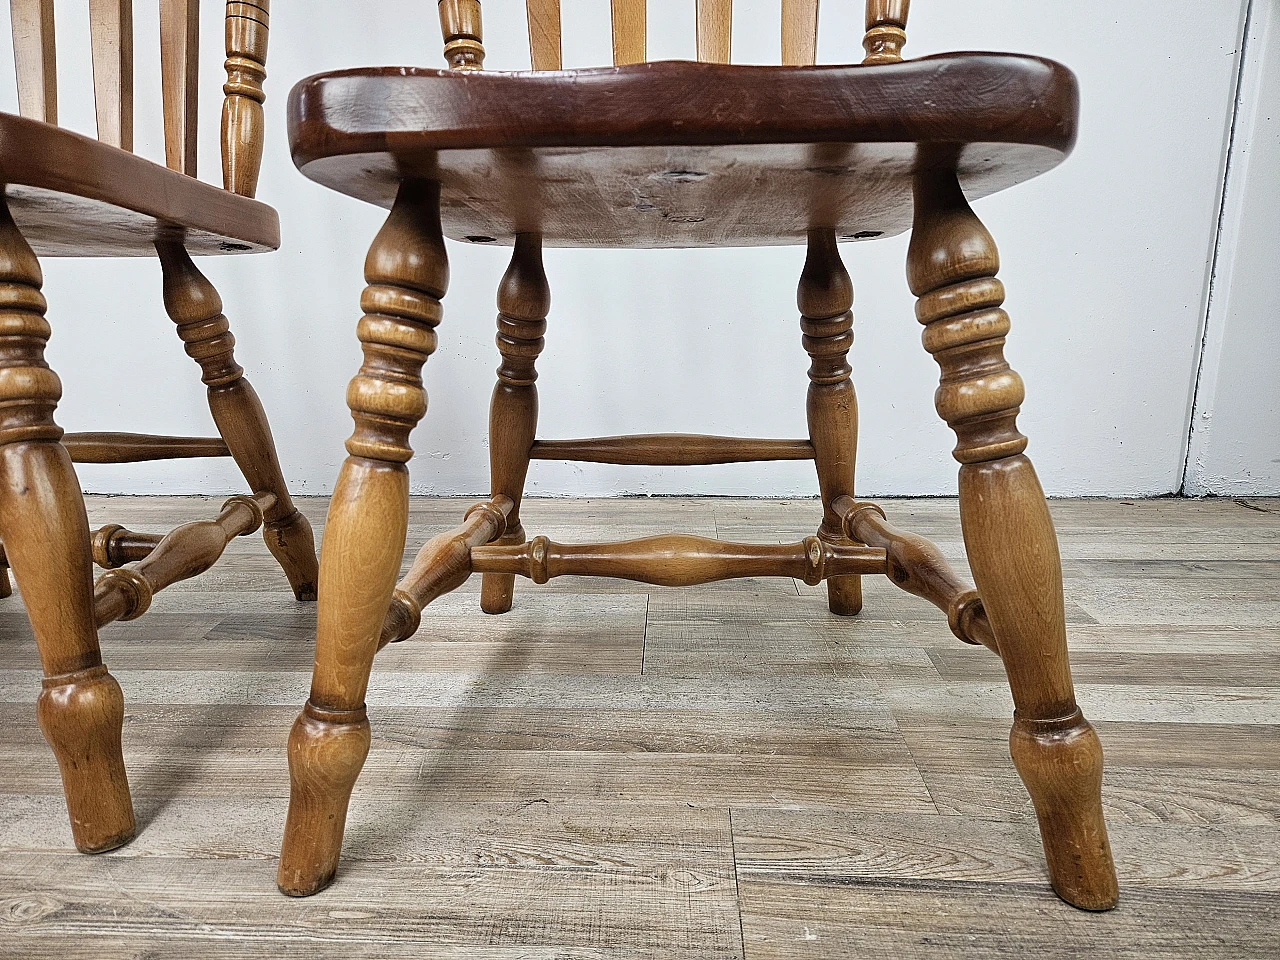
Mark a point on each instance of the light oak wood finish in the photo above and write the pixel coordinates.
(138, 447)
(684, 155)
(709, 757)
(46, 542)
(524, 300)
(825, 298)
(407, 271)
(69, 195)
(111, 41)
(35, 58)
(1009, 536)
(125, 592)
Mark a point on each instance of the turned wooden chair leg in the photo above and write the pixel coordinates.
(1009, 536)
(46, 539)
(194, 305)
(407, 272)
(524, 299)
(825, 298)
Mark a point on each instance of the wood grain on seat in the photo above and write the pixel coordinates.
(74, 196)
(674, 153)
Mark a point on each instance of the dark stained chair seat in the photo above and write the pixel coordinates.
(73, 196)
(682, 154)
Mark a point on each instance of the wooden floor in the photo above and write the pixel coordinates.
(617, 771)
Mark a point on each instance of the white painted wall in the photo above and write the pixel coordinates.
(1235, 430)
(1105, 259)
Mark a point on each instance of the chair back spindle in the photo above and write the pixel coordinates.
(34, 58)
(463, 34)
(886, 24)
(886, 30)
(111, 50)
(111, 41)
(243, 129)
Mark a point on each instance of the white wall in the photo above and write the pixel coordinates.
(1106, 261)
(1235, 431)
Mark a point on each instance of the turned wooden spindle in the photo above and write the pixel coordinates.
(194, 305)
(443, 564)
(918, 567)
(886, 30)
(524, 300)
(114, 546)
(111, 50)
(248, 23)
(680, 560)
(407, 272)
(46, 539)
(125, 592)
(1008, 534)
(825, 298)
(463, 33)
(35, 58)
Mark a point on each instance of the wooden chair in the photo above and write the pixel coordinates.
(69, 195)
(679, 154)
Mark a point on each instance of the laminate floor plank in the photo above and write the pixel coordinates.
(614, 770)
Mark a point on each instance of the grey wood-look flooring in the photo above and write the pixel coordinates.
(615, 771)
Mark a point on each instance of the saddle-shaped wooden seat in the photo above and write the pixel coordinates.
(681, 154)
(73, 196)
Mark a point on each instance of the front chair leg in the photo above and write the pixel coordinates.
(194, 305)
(825, 298)
(407, 272)
(46, 538)
(524, 300)
(1009, 536)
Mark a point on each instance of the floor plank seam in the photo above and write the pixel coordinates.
(737, 891)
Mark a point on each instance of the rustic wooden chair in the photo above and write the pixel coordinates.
(69, 195)
(679, 154)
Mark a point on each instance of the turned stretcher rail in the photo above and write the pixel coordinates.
(670, 450)
(918, 567)
(139, 447)
(125, 593)
(678, 560)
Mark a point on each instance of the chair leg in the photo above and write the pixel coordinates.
(46, 538)
(194, 305)
(825, 298)
(524, 300)
(407, 272)
(1009, 536)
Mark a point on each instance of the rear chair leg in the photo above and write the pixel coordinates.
(407, 272)
(825, 298)
(524, 300)
(194, 305)
(46, 539)
(1009, 536)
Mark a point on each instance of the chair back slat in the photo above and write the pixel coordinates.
(34, 58)
(885, 36)
(544, 34)
(715, 30)
(799, 32)
(628, 31)
(111, 41)
(179, 81)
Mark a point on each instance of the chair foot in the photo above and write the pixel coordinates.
(1060, 762)
(81, 716)
(327, 749)
(292, 544)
